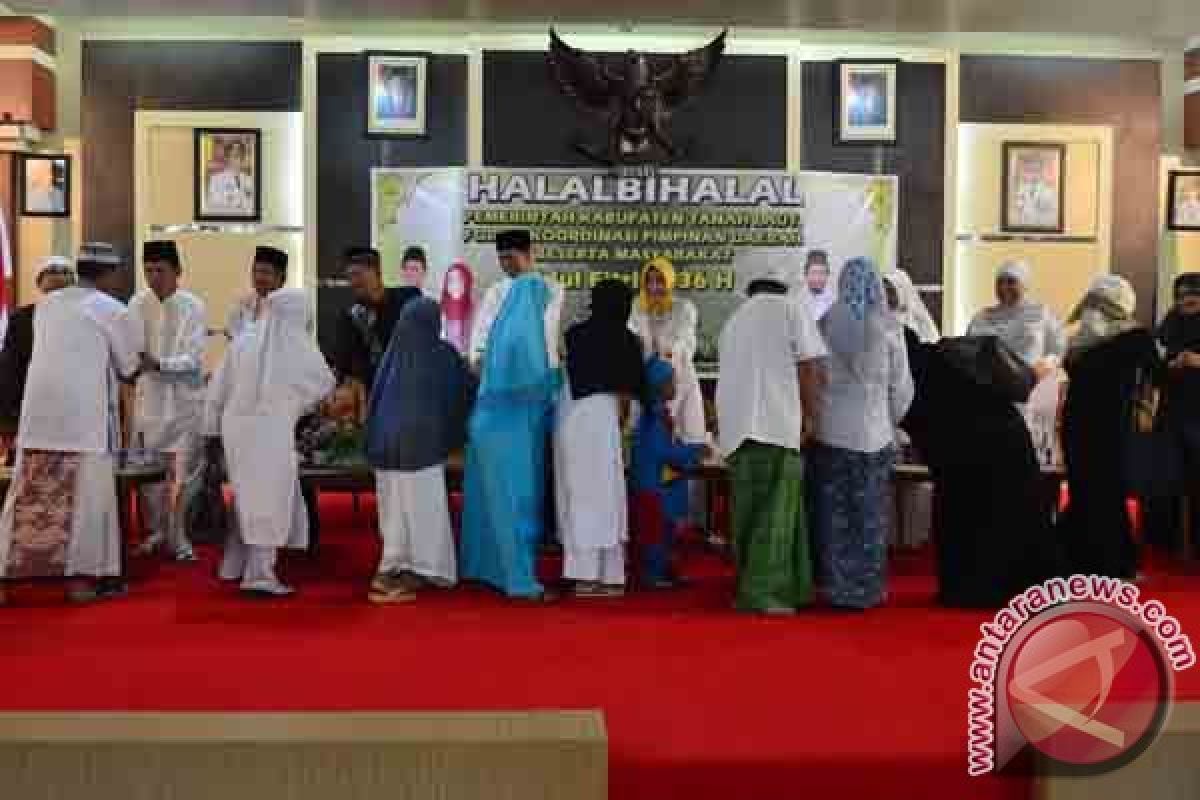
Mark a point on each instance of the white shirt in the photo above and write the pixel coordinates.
(81, 339)
(758, 389)
(675, 332)
(493, 301)
(818, 304)
(169, 403)
(1030, 329)
(243, 314)
(861, 407)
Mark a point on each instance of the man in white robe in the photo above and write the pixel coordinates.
(60, 517)
(271, 376)
(169, 398)
(493, 301)
(268, 272)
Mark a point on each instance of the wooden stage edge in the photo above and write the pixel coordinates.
(1168, 770)
(304, 756)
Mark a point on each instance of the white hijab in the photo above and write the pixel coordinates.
(911, 311)
(278, 369)
(272, 375)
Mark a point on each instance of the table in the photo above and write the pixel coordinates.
(315, 479)
(129, 478)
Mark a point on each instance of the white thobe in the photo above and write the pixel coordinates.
(493, 301)
(169, 403)
(589, 488)
(270, 377)
(675, 332)
(82, 340)
(414, 524)
(758, 388)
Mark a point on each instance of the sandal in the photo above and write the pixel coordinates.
(394, 597)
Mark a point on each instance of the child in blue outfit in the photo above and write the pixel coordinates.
(660, 489)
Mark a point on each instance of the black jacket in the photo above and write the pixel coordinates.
(14, 365)
(363, 334)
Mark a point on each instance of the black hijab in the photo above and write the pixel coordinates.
(1179, 332)
(603, 355)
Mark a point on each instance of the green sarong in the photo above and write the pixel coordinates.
(770, 538)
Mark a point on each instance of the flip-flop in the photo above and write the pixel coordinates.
(396, 597)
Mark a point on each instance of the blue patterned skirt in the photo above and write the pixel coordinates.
(851, 502)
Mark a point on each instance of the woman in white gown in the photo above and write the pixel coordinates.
(666, 325)
(1029, 328)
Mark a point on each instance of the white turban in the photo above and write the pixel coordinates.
(1019, 271)
(59, 264)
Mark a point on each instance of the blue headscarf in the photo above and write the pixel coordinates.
(516, 365)
(421, 395)
(860, 310)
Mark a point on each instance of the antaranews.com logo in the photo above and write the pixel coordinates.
(1078, 668)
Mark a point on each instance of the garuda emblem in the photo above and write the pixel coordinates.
(633, 97)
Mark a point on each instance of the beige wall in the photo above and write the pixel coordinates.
(1061, 269)
(39, 237)
(217, 258)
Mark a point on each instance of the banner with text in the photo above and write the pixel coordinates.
(719, 229)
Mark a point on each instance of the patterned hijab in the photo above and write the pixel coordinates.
(654, 305)
(860, 310)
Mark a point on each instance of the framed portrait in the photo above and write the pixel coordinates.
(228, 178)
(1183, 200)
(396, 86)
(1034, 184)
(865, 96)
(45, 186)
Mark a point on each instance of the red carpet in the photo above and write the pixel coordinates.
(700, 702)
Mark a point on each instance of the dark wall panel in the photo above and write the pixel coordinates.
(918, 159)
(345, 156)
(122, 77)
(1126, 94)
(740, 121)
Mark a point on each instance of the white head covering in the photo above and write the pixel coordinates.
(60, 264)
(286, 370)
(1019, 270)
(1105, 311)
(911, 311)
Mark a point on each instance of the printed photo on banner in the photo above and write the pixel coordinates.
(866, 102)
(228, 182)
(396, 94)
(46, 186)
(1034, 186)
(718, 228)
(1183, 197)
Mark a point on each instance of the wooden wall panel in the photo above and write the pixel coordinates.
(739, 123)
(27, 31)
(918, 159)
(345, 156)
(120, 77)
(1191, 121)
(1125, 94)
